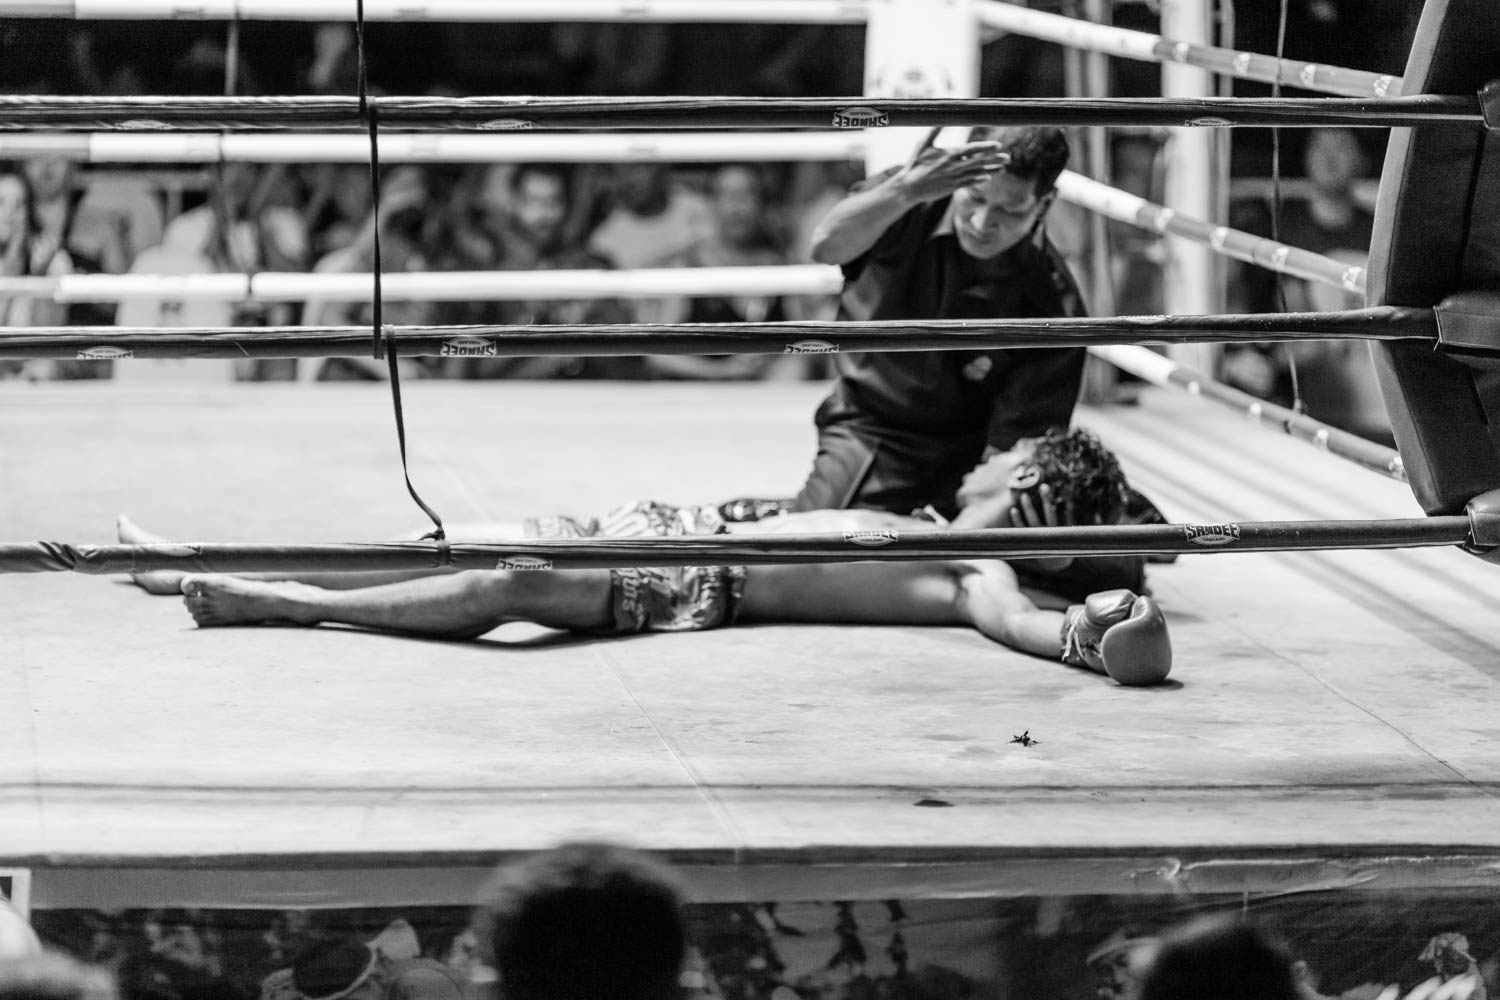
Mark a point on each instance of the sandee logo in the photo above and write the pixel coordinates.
(860, 118)
(811, 347)
(873, 537)
(1211, 534)
(468, 347)
(524, 563)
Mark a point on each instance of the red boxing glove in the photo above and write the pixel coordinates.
(1116, 633)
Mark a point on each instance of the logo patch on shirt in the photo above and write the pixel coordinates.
(977, 369)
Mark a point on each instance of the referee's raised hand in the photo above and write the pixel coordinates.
(936, 173)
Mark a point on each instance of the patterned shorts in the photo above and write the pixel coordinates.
(658, 599)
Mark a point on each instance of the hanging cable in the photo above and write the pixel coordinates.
(380, 336)
(1298, 404)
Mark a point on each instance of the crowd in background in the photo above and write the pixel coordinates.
(1394, 946)
(58, 217)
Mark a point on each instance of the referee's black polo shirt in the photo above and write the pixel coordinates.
(959, 401)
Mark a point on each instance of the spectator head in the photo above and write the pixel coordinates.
(1038, 153)
(739, 205)
(51, 976)
(343, 970)
(1220, 958)
(51, 177)
(539, 202)
(1334, 159)
(997, 214)
(643, 188)
(583, 922)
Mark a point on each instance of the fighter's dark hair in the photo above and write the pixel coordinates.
(1080, 470)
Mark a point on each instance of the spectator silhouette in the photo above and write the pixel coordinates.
(584, 921)
(1219, 958)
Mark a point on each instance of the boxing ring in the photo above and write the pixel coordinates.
(1329, 723)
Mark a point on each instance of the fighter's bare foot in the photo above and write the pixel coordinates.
(161, 583)
(230, 600)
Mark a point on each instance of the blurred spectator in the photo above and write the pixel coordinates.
(524, 214)
(1336, 379)
(1119, 963)
(51, 976)
(740, 237)
(95, 241)
(1456, 972)
(653, 220)
(180, 960)
(1219, 958)
(355, 970)
(17, 939)
(404, 205)
(335, 206)
(237, 230)
(584, 922)
(25, 252)
(1330, 220)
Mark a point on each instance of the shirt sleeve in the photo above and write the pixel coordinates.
(894, 236)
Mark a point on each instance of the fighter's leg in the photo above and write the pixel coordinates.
(169, 583)
(456, 605)
(982, 593)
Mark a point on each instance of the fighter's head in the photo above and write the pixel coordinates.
(1082, 475)
(1081, 472)
(993, 215)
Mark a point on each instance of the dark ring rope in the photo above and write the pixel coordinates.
(150, 114)
(604, 340)
(748, 550)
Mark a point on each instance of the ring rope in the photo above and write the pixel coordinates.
(1161, 371)
(639, 11)
(153, 114)
(795, 279)
(1142, 46)
(1010, 17)
(603, 340)
(440, 286)
(1268, 253)
(714, 550)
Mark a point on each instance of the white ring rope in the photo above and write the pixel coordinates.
(1069, 31)
(794, 279)
(438, 147)
(1139, 45)
(438, 286)
(1125, 207)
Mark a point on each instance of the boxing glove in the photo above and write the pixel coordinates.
(1117, 633)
